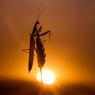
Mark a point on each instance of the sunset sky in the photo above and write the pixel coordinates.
(71, 50)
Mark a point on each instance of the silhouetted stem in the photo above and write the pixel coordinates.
(41, 81)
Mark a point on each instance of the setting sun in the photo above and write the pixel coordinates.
(48, 76)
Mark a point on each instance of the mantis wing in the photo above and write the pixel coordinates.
(31, 53)
(32, 47)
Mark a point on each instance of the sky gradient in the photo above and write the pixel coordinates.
(71, 51)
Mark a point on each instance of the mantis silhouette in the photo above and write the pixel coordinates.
(37, 44)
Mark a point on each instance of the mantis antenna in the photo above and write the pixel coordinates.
(40, 11)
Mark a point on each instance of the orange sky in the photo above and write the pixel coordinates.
(71, 52)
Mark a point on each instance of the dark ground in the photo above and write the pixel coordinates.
(10, 87)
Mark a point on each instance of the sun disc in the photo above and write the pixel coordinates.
(48, 76)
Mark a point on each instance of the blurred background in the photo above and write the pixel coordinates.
(70, 52)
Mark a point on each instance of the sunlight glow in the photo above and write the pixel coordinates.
(48, 76)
